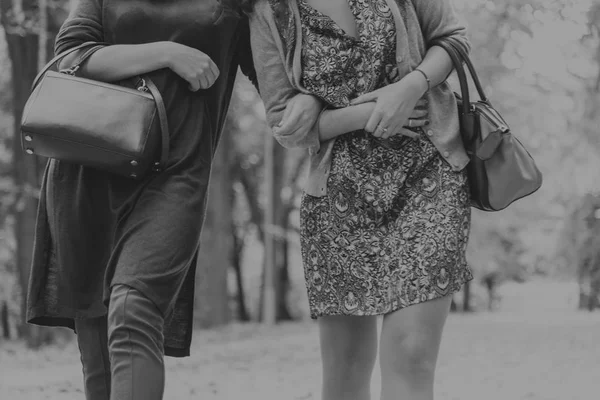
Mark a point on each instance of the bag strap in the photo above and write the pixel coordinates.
(457, 61)
(164, 126)
(95, 46)
(467, 60)
(146, 85)
(460, 58)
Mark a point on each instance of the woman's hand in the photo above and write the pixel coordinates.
(192, 65)
(395, 104)
(302, 111)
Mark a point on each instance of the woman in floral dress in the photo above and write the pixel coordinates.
(385, 216)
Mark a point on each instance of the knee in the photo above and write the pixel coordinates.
(348, 358)
(131, 314)
(414, 356)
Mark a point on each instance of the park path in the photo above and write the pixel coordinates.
(530, 350)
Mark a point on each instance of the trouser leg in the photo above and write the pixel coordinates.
(92, 339)
(135, 343)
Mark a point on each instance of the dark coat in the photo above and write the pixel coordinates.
(95, 230)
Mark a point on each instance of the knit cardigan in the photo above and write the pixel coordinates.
(276, 39)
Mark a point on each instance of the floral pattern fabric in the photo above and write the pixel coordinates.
(392, 230)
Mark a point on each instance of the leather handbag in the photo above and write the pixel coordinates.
(105, 126)
(501, 170)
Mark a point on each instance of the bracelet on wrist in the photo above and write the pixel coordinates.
(426, 79)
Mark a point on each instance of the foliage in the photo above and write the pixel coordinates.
(539, 63)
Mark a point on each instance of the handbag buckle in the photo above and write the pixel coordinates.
(142, 85)
(70, 71)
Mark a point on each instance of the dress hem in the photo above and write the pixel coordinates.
(399, 307)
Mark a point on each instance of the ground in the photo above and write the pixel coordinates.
(534, 348)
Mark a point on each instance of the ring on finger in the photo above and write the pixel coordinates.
(410, 123)
(383, 130)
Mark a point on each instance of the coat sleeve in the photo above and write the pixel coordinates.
(274, 84)
(438, 20)
(84, 24)
(244, 53)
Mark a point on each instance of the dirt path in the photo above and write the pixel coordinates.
(542, 355)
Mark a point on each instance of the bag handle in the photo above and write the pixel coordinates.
(144, 84)
(95, 47)
(459, 58)
(162, 119)
(467, 60)
(460, 72)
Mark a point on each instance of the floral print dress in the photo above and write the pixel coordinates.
(392, 230)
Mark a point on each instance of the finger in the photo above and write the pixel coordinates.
(422, 103)
(291, 121)
(214, 69)
(392, 131)
(418, 113)
(194, 84)
(204, 82)
(210, 76)
(417, 123)
(408, 132)
(388, 133)
(382, 129)
(365, 98)
(374, 120)
(286, 112)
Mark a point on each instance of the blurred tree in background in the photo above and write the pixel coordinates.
(540, 63)
(29, 36)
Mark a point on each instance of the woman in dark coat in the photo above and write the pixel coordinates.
(114, 258)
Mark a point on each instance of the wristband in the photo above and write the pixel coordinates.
(426, 79)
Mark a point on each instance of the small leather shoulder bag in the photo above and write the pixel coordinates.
(501, 170)
(100, 125)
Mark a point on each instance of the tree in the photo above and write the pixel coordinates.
(580, 241)
(217, 244)
(26, 28)
(249, 130)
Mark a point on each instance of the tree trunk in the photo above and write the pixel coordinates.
(238, 245)
(282, 210)
(282, 281)
(283, 275)
(453, 307)
(251, 193)
(5, 321)
(215, 258)
(23, 52)
(467, 298)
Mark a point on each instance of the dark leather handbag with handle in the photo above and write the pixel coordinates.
(105, 126)
(501, 170)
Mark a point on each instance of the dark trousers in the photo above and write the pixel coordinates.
(123, 354)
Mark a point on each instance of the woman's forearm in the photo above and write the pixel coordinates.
(437, 65)
(118, 62)
(337, 122)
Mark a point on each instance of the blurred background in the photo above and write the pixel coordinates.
(525, 328)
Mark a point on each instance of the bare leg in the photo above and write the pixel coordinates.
(348, 353)
(410, 342)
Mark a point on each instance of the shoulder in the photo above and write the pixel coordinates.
(263, 8)
(277, 11)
